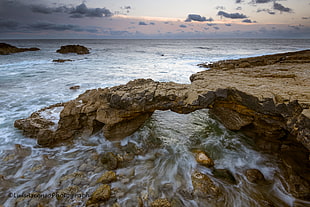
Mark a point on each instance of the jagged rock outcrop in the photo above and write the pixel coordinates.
(6, 49)
(78, 49)
(245, 100)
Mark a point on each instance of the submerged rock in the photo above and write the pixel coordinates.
(101, 194)
(204, 186)
(6, 49)
(224, 175)
(161, 202)
(107, 177)
(254, 176)
(78, 49)
(110, 160)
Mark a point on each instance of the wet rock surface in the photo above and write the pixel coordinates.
(78, 49)
(6, 49)
(249, 99)
(254, 176)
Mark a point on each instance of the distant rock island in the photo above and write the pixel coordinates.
(266, 98)
(6, 49)
(78, 49)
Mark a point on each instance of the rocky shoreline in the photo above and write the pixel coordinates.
(266, 97)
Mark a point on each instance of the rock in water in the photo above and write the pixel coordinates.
(101, 194)
(6, 49)
(61, 60)
(204, 186)
(107, 177)
(161, 202)
(203, 159)
(255, 176)
(78, 49)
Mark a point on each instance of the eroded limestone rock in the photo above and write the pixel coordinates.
(273, 120)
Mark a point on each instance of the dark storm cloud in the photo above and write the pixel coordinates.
(83, 11)
(232, 15)
(8, 24)
(11, 25)
(281, 8)
(198, 18)
(48, 10)
(20, 9)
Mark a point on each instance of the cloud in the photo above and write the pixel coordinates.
(198, 18)
(59, 27)
(266, 10)
(297, 27)
(220, 8)
(232, 15)
(79, 11)
(48, 10)
(248, 21)
(142, 23)
(83, 11)
(8, 24)
(281, 8)
(262, 1)
(305, 17)
(238, 1)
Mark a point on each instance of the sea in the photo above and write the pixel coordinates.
(162, 160)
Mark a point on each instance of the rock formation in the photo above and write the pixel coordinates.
(6, 49)
(78, 49)
(270, 103)
(62, 60)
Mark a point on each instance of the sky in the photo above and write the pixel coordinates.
(189, 19)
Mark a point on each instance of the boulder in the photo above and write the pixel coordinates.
(78, 49)
(6, 49)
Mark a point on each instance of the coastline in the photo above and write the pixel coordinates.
(250, 99)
